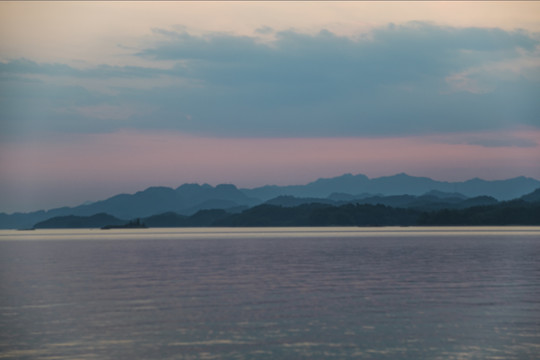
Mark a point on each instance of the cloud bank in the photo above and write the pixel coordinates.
(414, 78)
(111, 109)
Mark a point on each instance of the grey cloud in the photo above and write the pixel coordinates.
(420, 47)
(29, 67)
(264, 30)
(391, 82)
(427, 35)
(216, 47)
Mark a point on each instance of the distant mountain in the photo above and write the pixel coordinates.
(321, 188)
(445, 195)
(499, 189)
(399, 190)
(532, 197)
(186, 199)
(339, 196)
(515, 212)
(400, 184)
(290, 201)
(424, 202)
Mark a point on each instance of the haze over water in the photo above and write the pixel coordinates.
(282, 293)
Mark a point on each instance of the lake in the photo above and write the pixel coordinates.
(272, 293)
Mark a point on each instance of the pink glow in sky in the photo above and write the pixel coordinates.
(98, 165)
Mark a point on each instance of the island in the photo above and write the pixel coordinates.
(134, 224)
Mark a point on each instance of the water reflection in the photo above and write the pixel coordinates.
(295, 293)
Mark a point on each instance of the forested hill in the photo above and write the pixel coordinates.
(517, 212)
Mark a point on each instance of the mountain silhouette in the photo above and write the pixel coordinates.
(400, 184)
(532, 197)
(400, 190)
(185, 200)
(79, 222)
(290, 211)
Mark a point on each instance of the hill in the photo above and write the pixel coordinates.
(396, 191)
(186, 200)
(532, 197)
(79, 222)
(400, 184)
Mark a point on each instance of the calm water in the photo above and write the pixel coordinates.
(338, 293)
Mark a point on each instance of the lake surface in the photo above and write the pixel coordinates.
(286, 293)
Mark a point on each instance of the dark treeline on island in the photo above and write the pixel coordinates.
(133, 224)
(79, 222)
(515, 212)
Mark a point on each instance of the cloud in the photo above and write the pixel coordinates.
(392, 53)
(107, 112)
(413, 78)
(28, 67)
(264, 30)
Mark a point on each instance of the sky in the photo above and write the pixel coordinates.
(101, 98)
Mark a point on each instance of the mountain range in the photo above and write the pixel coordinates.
(400, 190)
(399, 184)
(425, 210)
